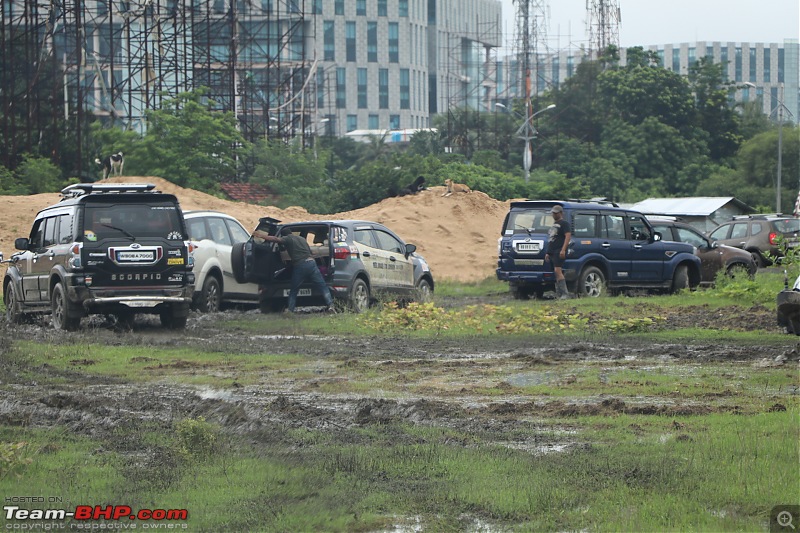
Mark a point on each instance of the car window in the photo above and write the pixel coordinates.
(37, 235)
(365, 237)
(219, 233)
(536, 220)
(238, 233)
(65, 229)
(739, 230)
(141, 220)
(720, 233)
(756, 228)
(585, 225)
(690, 236)
(666, 232)
(197, 229)
(789, 225)
(50, 224)
(640, 231)
(388, 242)
(613, 227)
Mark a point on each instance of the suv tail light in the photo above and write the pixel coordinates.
(74, 259)
(773, 236)
(345, 252)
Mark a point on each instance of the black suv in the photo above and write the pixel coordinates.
(360, 261)
(611, 248)
(761, 235)
(116, 249)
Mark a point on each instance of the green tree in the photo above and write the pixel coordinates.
(9, 185)
(714, 114)
(38, 175)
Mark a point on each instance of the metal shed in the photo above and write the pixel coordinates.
(703, 212)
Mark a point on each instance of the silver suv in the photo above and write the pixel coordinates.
(213, 234)
(761, 235)
(358, 259)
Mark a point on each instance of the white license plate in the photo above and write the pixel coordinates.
(302, 292)
(529, 262)
(528, 247)
(142, 303)
(135, 256)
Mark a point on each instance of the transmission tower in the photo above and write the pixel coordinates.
(604, 18)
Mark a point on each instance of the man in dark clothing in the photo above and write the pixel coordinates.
(559, 236)
(303, 266)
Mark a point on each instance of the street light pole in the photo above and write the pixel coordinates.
(527, 132)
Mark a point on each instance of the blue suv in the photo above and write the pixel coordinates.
(612, 249)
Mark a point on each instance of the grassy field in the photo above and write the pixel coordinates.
(609, 414)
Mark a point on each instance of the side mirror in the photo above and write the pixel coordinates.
(712, 244)
(21, 243)
(410, 249)
(656, 236)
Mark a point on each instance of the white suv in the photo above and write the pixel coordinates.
(213, 234)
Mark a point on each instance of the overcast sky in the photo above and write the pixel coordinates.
(646, 22)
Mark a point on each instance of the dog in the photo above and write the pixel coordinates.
(455, 187)
(413, 188)
(112, 164)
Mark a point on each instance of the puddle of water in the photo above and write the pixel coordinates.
(528, 379)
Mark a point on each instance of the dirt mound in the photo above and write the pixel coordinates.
(456, 234)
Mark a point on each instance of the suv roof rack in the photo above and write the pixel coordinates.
(79, 189)
(759, 216)
(599, 200)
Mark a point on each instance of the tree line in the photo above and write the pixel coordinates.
(625, 133)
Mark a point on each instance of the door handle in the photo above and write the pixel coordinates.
(637, 246)
(365, 254)
(606, 245)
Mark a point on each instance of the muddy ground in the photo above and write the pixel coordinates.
(429, 381)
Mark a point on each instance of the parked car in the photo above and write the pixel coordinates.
(713, 256)
(213, 235)
(789, 307)
(118, 249)
(760, 235)
(360, 261)
(611, 249)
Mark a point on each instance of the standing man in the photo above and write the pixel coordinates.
(303, 266)
(559, 236)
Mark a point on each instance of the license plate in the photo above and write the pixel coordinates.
(142, 303)
(303, 292)
(529, 262)
(135, 256)
(528, 247)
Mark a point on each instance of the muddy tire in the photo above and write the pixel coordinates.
(359, 296)
(738, 271)
(680, 280)
(591, 283)
(66, 316)
(424, 292)
(237, 262)
(758, 259)
(210, 297)
(273, 305)
(519, 293)
(14, 313)
(174, 317)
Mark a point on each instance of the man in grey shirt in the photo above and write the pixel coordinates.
(304, 268)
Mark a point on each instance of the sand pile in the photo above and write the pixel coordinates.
(456, 234)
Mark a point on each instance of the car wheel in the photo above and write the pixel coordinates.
(273, 305)
(680, 280)
(237, 262)
(174, 317)
(424, 291)
(14, 314)
(758, 259)
(738, 271)
(591, 282)
(211, 296)
(65, 315)
(359, 296)
(518, 293)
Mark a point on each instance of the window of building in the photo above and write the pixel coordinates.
(394, 42)
(405, 89)
(382, 9)
(753, 65)
(316, 8)
(780, 65)
(338, 7)
(372, 42)
(394, 122)
(329, 40)
(710, 53)
(773, 96)
(341, 88)
(738, 64)
(373, 122)
(320, 88)
(692, 56)
(383, 88)
(402, 8)
(352, 122)
(362, 88)
(767, 72)
(361, 7)
(554, 71)
(676, 61)
(350, 40)
(723, 58)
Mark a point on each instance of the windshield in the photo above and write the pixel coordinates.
(534, 220)
(132, 221)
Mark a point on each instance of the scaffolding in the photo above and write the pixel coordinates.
(119, 59)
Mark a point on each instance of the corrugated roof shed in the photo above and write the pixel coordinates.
(698, 206)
